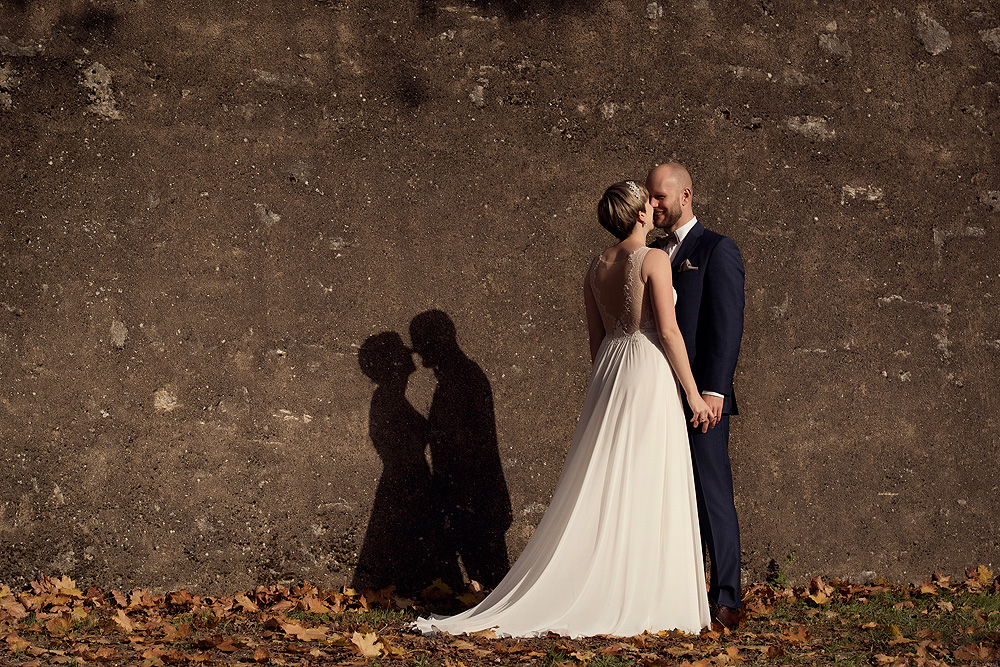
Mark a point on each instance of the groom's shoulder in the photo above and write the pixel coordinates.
(712, 238)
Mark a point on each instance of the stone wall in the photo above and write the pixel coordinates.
(208, 208)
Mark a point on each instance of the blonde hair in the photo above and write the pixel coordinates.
(619, 208)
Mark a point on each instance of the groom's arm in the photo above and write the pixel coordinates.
(722, 309)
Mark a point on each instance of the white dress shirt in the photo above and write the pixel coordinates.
(671, 249)
(680, 233)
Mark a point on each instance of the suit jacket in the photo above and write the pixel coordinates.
(708, 276)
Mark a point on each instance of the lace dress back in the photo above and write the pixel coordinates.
(621, 294)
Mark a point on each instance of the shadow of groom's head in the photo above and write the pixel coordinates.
(433, 336)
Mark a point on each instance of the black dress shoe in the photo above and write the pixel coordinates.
(727, 617)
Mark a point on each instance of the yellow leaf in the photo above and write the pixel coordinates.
(470, 599)
(67, 586)
(441, 586)
(819, 597)
(368, 644)
(897, 636)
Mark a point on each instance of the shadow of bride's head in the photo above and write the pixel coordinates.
(384, 358)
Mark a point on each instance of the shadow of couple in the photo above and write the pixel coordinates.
(432, 519)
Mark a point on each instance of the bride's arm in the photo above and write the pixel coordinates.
(659, 282)
(595, 325)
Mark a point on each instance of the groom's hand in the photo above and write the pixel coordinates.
(715, 405)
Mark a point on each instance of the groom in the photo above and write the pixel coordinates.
(708, 277)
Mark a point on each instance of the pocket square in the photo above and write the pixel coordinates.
(686, 265)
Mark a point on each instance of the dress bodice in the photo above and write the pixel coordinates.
(621, 294)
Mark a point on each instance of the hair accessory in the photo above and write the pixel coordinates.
(634, 188)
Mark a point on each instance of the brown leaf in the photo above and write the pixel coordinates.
(229, 645)
(682, 650)
(10, 606)
(403, 603)
(181, 598)
(488, 633)
(314, 605)
(172, 633)
(245, 602)
(368, 644)
(16, 643)
(140, 599)
(653, 660)
(800, 636)
(304, 634)
(261, 654)
(973, 652)
(60, 626)
(124, 622)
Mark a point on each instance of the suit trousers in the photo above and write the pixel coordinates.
(720, 528)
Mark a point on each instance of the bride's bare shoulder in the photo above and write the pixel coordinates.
(655, 261)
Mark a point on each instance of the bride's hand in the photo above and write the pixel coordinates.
(701, 416)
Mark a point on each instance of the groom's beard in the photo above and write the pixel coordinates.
(663, 220)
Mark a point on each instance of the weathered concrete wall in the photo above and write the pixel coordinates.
(207, 208)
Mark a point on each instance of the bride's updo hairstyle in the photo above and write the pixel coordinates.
(619, 208)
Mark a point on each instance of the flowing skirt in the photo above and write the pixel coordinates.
(618, 551)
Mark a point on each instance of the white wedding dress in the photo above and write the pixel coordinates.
(618, 551)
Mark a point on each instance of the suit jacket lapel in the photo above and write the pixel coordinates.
(688, 245)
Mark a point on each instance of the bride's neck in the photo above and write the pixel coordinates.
(634, 240)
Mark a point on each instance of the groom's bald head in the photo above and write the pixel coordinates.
(670, 191)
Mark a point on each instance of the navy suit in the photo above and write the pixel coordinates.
(708, 276)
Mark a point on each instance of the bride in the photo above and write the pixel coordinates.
(618, 551)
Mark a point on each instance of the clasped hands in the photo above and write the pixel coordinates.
(708, 419)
